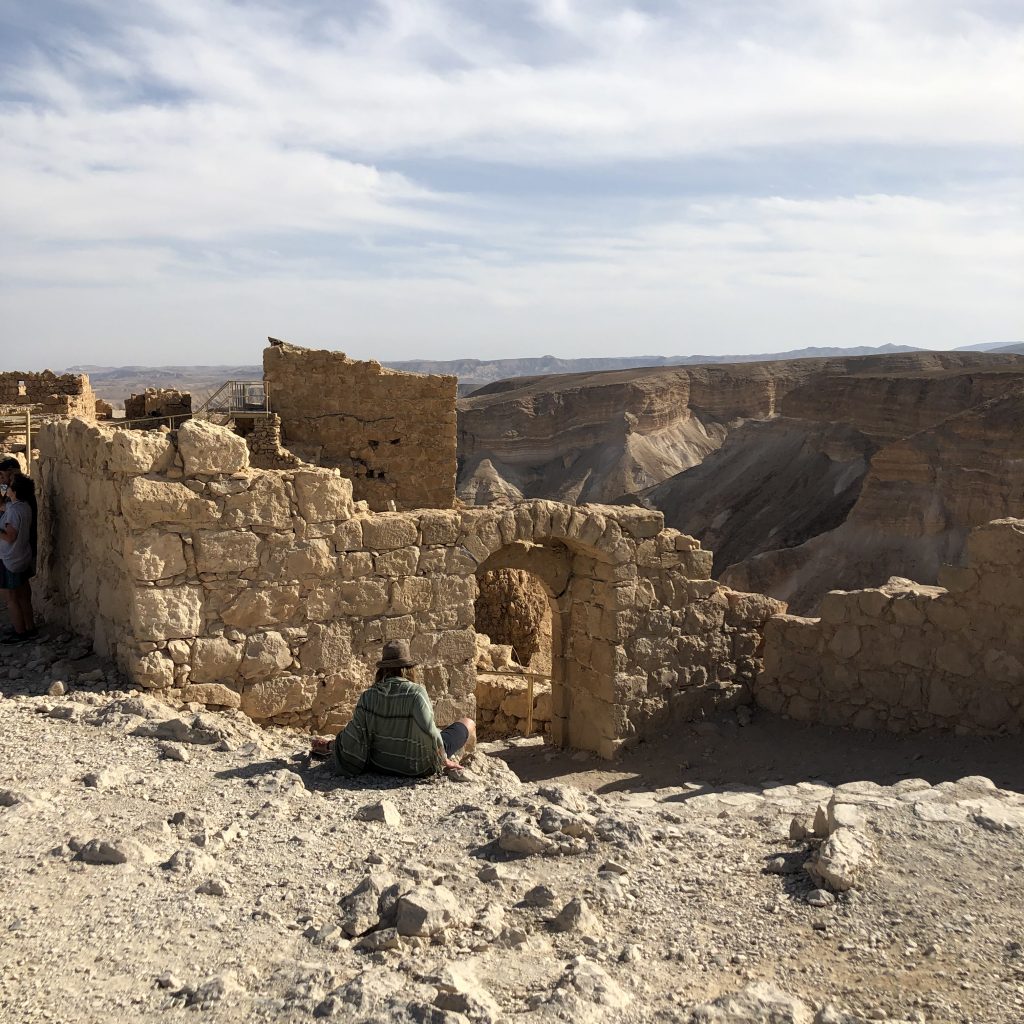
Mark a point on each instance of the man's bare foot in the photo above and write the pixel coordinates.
(320, 746)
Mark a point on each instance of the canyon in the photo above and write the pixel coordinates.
(799, 475)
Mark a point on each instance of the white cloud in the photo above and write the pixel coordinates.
(199, 151)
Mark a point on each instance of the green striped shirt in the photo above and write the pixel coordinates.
(392, 730)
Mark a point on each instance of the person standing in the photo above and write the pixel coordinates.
(18, 557)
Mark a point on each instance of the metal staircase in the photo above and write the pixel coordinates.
(234, 399)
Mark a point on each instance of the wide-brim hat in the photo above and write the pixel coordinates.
(396, 655)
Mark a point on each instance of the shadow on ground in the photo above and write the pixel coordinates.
(719, 753)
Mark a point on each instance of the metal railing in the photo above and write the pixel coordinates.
(251, 397)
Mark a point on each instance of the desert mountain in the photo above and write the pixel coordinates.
(770, 456)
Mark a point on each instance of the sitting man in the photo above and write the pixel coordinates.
(392, 728)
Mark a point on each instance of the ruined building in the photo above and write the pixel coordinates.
(271, 589)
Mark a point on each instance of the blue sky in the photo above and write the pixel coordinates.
(454, 179)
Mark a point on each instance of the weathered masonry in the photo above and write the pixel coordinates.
(271, 590)
(391, 433)
(48, 394)
(907, 657)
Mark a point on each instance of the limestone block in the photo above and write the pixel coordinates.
(411, 594)
(146, 502)
(265, 503)
(362, 598)
(283, 695)
(262, 605)
(265, 655)
(136, 452)
(1000, 542)
(957, 579)
(389, 530)
(942, 700)
(949, 617)
(542, 707)
(341, 690)
(166, 613)
(400, 562)
(1003, 667)
(456, 645)
(846, 641)
(152, 671)
(991, 710)
(311, 558)
(329, 646)
(752, 609)
(836, 606)
(323, 496)
(440, 527)
(953, 657)
(696, 564)
(154, 555)
(179, 651)
(210, 450)
(215, 659)
(225, 551)
(212, 694)
(1004, 590)
(349, 536)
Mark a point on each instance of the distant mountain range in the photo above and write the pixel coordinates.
(115, 383)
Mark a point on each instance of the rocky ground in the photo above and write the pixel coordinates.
(159, 864)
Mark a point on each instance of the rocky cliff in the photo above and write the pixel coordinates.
(920, 497)
(598, 436)
(800, 475)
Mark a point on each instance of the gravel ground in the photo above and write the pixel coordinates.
(160, 863)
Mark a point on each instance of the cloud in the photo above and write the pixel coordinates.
(330, 160)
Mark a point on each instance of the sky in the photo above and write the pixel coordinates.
(444, 179)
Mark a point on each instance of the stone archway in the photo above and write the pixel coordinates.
(577, 555)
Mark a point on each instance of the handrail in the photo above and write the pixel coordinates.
(238, 400)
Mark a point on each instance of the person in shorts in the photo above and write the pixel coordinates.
(393, 729)
(18, 557)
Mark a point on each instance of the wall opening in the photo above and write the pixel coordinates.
(514, 624)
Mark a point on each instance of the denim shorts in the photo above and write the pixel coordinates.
(12, 580)
(454, 737)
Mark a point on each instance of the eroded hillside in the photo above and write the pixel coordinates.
(758, 460)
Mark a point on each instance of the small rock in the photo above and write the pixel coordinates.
(220, 987)
(169, 981)
(383, 810)
(820, 898)
(800, 828)
(427, 910)
(376, 942)
(174, 752)
(58, 688)
(490, 873)
(841, 859)
(759, 1003)
(116, 851)
(540, 896)
(614, 867)
(576, 916)
(593, 983)
(520, 836)
(212, 887)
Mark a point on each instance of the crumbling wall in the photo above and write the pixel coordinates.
(907, 656)
(48, 394)
(161, 404)
(393, 434)
(271, 590)
(265, 447)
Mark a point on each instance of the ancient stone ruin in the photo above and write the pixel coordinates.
(162, 406)
(230, 572)
(392, 434)
(47, 394)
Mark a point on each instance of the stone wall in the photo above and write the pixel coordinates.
(393, 434)
(159, 403)
(271, 590)
(49, 394)
(907, 656)
(266, 451)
